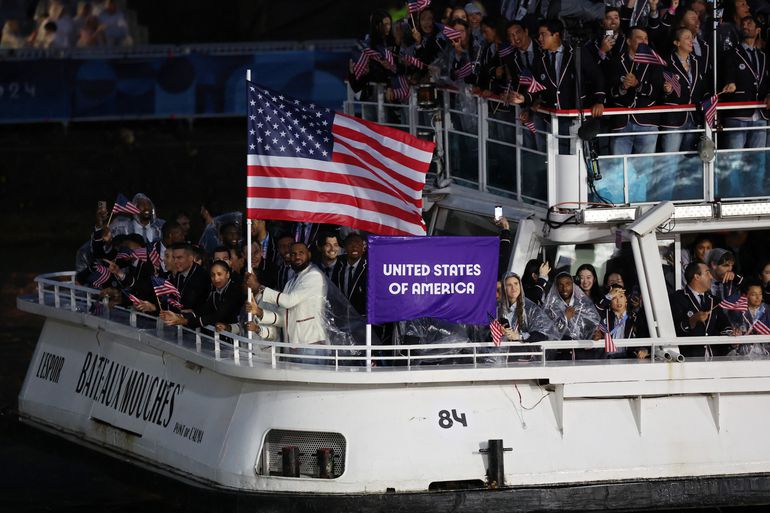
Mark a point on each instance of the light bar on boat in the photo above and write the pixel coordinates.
(744, 209)
(608, 215)
(694, 212)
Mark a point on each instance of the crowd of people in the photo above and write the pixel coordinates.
(139, 261)
(639, 54)
(61, 24)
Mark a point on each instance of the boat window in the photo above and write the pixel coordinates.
(454, 222)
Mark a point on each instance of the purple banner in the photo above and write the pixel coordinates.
(449, 278)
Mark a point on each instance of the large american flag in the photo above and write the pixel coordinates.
(307, 163)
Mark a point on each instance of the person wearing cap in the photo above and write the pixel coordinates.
(474, 20)
(726, 283)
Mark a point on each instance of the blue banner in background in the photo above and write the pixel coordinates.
(188, 85)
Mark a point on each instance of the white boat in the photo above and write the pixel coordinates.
(241, 417)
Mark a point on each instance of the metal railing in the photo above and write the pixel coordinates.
(57, 290)
(482, 144)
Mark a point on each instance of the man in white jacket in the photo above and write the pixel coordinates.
(299, 309)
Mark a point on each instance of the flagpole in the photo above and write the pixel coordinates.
(368, 347)
(249, 263)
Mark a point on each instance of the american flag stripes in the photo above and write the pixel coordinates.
(609, 344)
(672, 79)
(498, 332)
(530, 124)
(449, 32)
(400, 87)
(646, 55)
(307, 163)
(359, 68)
(140, 253)
(390, 59)
(760, 328)
(134, 300)
(465, 70)
(411, 60)
(416, 6)
(123, 206)
(506, 50)
(709, 106)
(741, 305)
(526, 78)
(153, 255)
(99, 276)
(173, 302)
(163, 287)
(125, 254)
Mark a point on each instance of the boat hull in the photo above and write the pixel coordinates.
(655, 435)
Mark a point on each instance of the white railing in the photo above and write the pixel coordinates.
(57, 290)
(483, 145)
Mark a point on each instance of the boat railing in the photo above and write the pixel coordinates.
(58, 290)
(483, 145)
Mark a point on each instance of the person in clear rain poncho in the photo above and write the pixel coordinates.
(527, 322)
(573, 315)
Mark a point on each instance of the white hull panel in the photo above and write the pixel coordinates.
(210, 427)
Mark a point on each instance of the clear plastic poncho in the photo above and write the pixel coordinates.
(583, 323)
(210, 237)
(534, 318)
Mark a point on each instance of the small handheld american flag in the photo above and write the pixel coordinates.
(400, 87)
(533, 86)
(741, 305)
(464, 71)
(672, 79)
(449, 32)
(359, 68)
(506, 50)
(646, 55)
(134, 300)
(709, 106)
(416, 6)
(100, 276)
(609, 344)
(498, 332)
(140, 254)
(164, 287)
(154, 256)
(411, 60)
(123, 206)
(760, 328)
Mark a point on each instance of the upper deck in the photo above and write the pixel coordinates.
(486, 156)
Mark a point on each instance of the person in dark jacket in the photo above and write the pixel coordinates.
(221, 307)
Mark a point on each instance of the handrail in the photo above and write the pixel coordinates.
(223, 48)
(222, 346)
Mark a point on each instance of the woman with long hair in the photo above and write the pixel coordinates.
(587, 280)
(526, 321)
